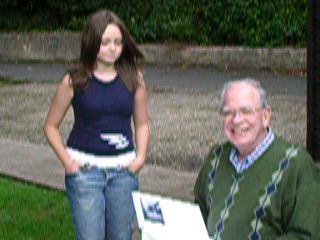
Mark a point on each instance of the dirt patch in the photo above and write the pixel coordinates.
(184, 123)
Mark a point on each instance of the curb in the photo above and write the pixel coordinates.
(64, 46)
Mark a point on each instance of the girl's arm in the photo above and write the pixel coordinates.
(142, 133)
(59, 106)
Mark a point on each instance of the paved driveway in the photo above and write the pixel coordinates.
(164, 76)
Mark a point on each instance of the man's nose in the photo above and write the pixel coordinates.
(237, 117)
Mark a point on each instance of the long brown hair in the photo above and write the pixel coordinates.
(128, 64)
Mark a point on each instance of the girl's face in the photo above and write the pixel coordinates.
(111, 45)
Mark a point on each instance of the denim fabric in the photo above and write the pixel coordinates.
(101, 203)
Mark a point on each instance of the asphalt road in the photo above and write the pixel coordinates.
(167, 76)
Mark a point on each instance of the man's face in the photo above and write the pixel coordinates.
(245, 123)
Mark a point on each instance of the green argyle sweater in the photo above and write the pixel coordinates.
(275, 198)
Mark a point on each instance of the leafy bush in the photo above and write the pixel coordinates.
(200, 22)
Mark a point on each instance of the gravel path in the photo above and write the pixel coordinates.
(184, 123)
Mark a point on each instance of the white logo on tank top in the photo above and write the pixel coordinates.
(119, 140)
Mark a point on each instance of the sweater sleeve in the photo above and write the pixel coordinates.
(200, 194)
(301, 208)
(201, 187)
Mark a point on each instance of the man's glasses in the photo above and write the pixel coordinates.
(243, 111)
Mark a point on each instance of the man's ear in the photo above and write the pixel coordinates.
(266, 116)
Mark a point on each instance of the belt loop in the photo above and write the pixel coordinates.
(106, 173)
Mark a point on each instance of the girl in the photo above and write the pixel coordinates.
(106, 89)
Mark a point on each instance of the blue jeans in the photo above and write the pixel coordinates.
(101, 203)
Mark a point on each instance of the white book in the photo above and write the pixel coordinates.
(161, 218)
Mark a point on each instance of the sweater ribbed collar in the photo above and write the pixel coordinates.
(244, 164)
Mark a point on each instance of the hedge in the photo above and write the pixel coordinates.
(251, 23)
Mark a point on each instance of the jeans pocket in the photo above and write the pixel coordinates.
(74, 174)
(126, 170)
(134, 174)
(86, 167)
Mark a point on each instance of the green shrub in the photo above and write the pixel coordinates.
(200, 22)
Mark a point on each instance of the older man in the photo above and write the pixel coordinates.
(256, 185)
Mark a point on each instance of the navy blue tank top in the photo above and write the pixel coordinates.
(102, 113)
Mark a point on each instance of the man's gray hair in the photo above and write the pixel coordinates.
(250, 81)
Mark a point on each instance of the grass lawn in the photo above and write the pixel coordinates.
(31, 212)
